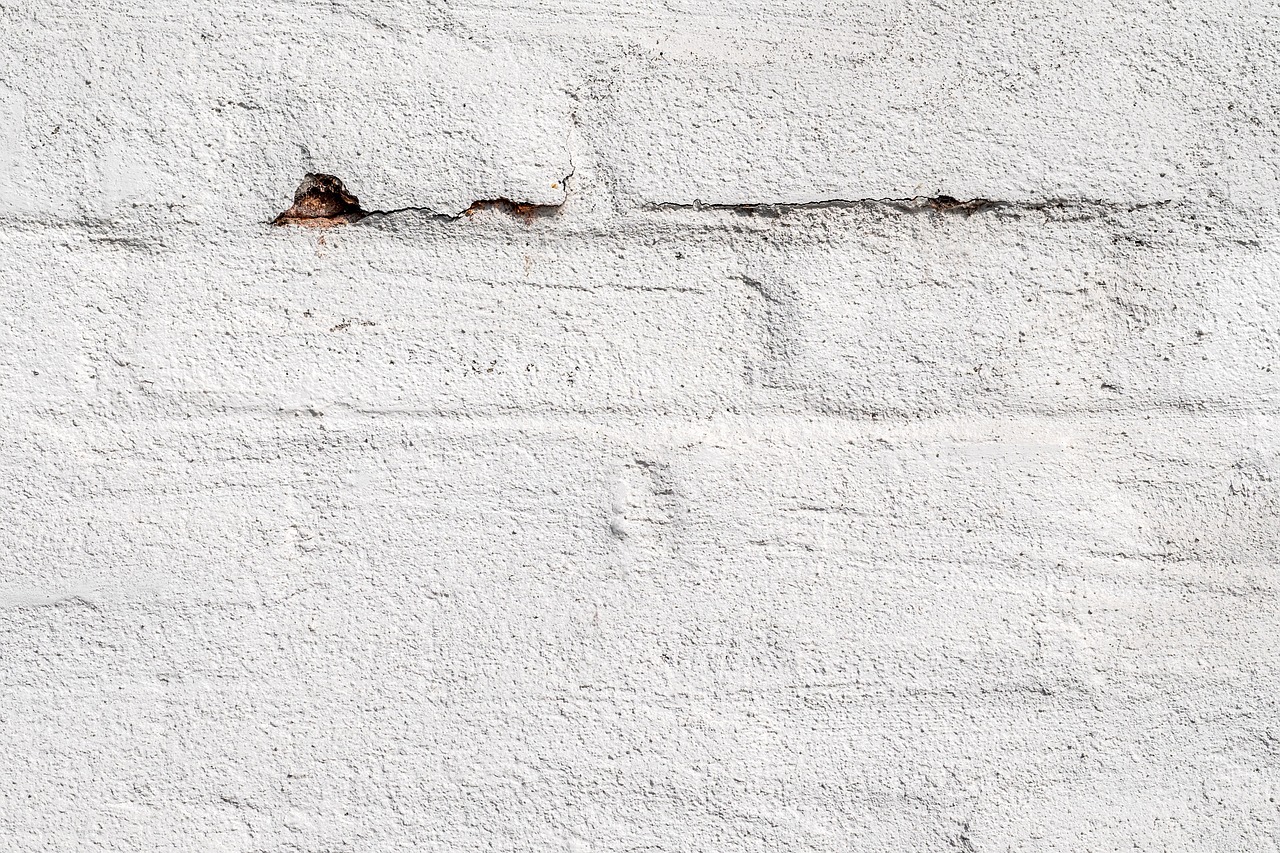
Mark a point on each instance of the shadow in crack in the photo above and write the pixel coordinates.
(321, 201)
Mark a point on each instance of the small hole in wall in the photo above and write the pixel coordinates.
(321, 201)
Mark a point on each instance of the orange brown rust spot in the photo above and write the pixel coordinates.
(321, 201)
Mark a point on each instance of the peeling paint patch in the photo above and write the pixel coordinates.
(524, 210)
(321, 201)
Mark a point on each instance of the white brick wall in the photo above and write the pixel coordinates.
(694, 515)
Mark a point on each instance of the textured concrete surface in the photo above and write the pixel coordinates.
(829, 427)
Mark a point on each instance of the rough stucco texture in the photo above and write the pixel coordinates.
(743, 495)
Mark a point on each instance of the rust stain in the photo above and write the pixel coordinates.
(321, 201)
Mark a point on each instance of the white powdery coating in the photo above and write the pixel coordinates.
(678, 513)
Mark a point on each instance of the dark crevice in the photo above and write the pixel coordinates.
(918, 204)
(322, 201)
(526, 211)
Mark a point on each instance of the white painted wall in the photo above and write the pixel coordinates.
(664, 522)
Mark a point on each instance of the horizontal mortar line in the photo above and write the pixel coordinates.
(175, 237)
(322, 200)
(954, 425)
(606, 416)
(105, 598)
(914, 204)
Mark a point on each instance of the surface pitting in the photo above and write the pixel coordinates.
(710, 427)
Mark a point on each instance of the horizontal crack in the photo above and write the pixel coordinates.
(522, 209)
(917, 204)
(322, 201)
